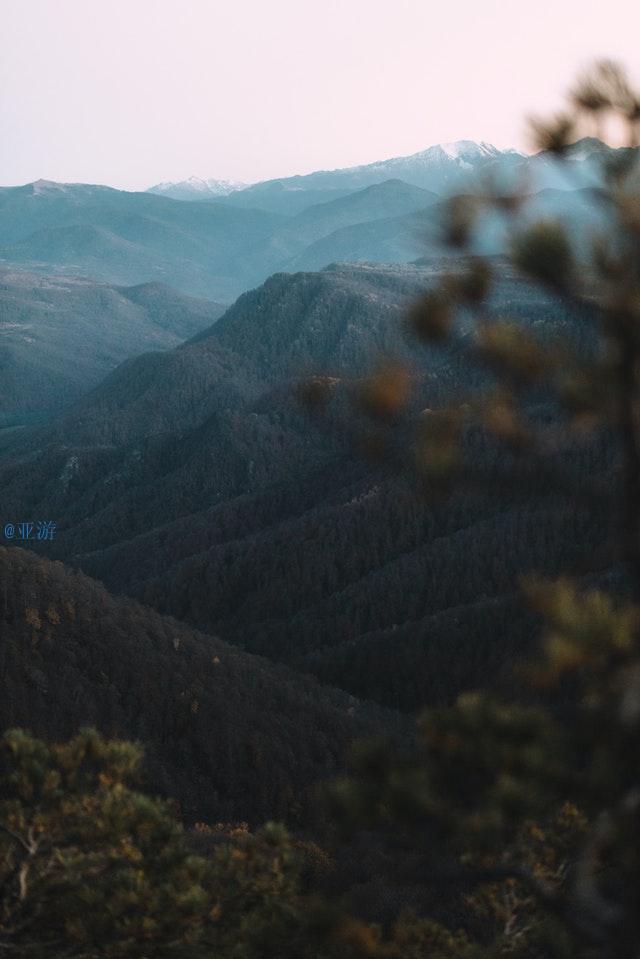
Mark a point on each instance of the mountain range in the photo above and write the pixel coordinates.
(197, 188)
(444, 169)
(441, 169)
(220, 247)
(192, 481)
(127, 238)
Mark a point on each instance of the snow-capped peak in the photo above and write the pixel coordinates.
(460, 153)
(211, 185)
(468, 149)
(198, 186)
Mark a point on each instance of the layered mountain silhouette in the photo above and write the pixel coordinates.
(224, 245)
(442, 169)
(127, 238)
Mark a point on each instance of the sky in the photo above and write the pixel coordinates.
(133, 92)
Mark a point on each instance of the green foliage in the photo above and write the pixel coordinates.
(89, 866)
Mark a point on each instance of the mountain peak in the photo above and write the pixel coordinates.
(462, 154)
(465, 149)
(196, 188)
(54, 188)
(48, 186)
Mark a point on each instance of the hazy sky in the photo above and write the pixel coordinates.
(130, 92)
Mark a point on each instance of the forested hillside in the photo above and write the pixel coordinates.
(227, 734)
(194, 481)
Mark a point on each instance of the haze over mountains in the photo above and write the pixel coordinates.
(128, 238)
(60, 336)
(443, 169)
(220, 247)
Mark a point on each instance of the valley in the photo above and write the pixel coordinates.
(164, 433)
(194, 481)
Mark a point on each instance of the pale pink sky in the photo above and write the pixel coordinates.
(130, 92)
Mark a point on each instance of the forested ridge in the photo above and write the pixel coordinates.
(195, 481)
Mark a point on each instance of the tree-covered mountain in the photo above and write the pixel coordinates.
(341, 318)
(193, 481)
(60, 336)
(227, 734)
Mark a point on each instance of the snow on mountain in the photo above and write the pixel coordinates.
(444, 168)
(442, 160)
(462, 151)
(196, 188)
(468, 149)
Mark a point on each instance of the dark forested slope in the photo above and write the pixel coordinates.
(194, 482)
(228, 734)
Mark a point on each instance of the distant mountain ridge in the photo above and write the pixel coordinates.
(443, 168)
(128, 238)
(197, 188)
(60, 335)
(222, 246)
(418, 169)
(202, 248)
